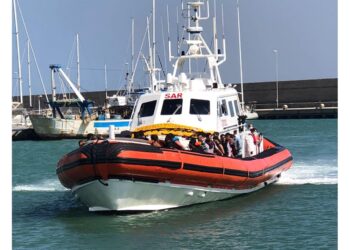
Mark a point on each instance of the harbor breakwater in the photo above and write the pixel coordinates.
(300, 97)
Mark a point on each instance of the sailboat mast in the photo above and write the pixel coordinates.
(29, 75)
(132, 45)
(53, 84)
(240, 53)
(154, 34)
(130, 78)
(20, 80)
(78, 64)
(106, 79)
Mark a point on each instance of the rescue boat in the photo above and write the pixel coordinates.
(129, 174)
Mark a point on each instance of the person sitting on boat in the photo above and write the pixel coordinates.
(195, 146)
(204, 145)
(155, 141)
(210, 142)
(82, 142)
(223, 143)
(214, 144)
(172, 141)
(230, 147)
(219, 149)
(140, 135)
(89, 136)
(100, 137)
(238, 144)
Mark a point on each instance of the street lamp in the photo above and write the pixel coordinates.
(276, 62)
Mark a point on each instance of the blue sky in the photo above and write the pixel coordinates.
(303, 32)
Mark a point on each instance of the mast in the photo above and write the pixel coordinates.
(78, 64)
(20, 80)
(29, 75)
(130, 77)
(132, 45)
(240, 54)
(154, 34)
(149, 65)
(53, 84)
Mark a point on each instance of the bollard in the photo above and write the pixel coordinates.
(111, 132)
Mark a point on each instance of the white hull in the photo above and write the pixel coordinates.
(251, 115)
(125, 195)
(48, 127)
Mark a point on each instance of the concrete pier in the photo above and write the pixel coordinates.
(315, 98)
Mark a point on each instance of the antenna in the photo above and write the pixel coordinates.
(164, 50)
(169, 41)
(222, 21)
(177, 29)
(240, 53)
(223, 37)
(215, 32)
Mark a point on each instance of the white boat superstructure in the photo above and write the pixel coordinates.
(20, 117)
(197, 99)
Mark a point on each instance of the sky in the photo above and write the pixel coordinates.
(303, 32)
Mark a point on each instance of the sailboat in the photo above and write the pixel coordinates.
(133, 174)
(125, 99)
(19, 118)
(247, 110)
(57, 125)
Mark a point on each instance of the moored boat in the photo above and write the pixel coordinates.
(59, 125)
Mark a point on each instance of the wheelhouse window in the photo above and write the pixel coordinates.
(223, 108)
(199, 107)
(172, 107)
(232, 111)
(236, 107)
(147, 109)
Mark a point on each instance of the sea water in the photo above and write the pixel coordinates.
(298, 212)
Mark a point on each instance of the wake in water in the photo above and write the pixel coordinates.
(52, 185)
(303, 173)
